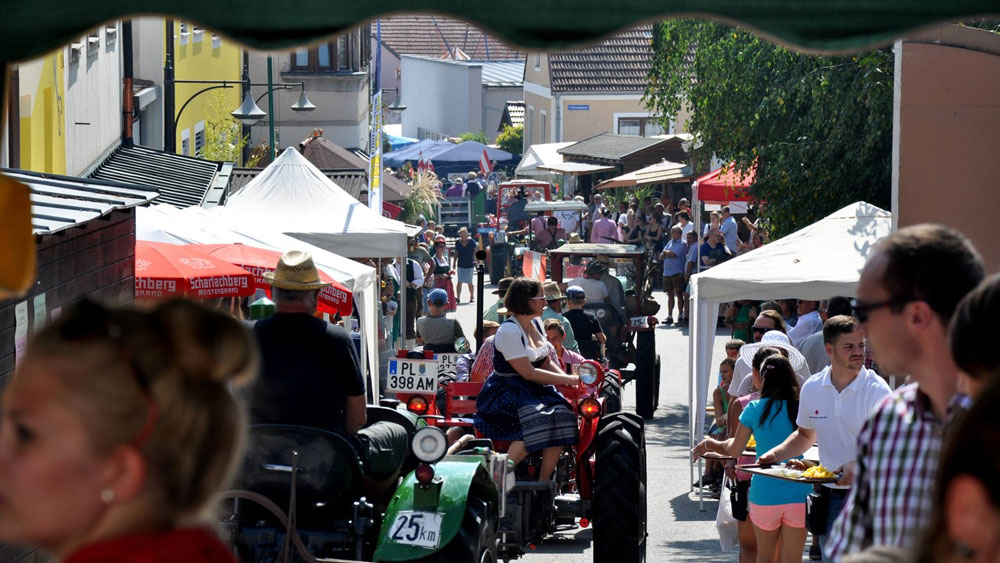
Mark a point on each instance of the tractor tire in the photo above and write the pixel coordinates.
(612, 393)
(619, 505)
(476, 540)
(646, 374)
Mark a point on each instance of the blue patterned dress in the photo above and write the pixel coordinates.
(511, 408)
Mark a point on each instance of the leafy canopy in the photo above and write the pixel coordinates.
(479, 136)
(224, 140)
(511, 139)
(819, 129)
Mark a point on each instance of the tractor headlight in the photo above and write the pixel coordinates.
(588, 371)
(430, 444)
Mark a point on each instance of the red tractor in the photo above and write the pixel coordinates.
(601, 481)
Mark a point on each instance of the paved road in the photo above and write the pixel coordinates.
(678, 531)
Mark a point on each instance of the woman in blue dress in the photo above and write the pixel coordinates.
(777, 507)
(518, 403)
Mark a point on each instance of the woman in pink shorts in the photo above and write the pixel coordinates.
(777, 507)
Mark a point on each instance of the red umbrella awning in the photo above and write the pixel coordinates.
(334, 298)
(724, 185)
(165, 270)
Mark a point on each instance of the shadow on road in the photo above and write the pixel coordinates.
(566, 541)
(694, 550)
(686, 510)
(669, 428)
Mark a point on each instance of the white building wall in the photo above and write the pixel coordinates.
(494, 102)
(442, 97)
(93, 99)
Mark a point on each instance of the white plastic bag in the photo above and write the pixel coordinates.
(729, 534)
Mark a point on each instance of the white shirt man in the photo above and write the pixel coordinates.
(833, 406)
(809, 323)
(568, 220)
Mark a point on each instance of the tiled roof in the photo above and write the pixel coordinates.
(60, 202)
(352, 180)
(438, 36)
(513, 115)
(327, 156)
(617, 64)
(608, 146)
(182, 181)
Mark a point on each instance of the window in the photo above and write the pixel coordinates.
(93, 42)
(216, 41)
(198, 33)
(186, 142)
(544, 122)
(538, 61)
(640, 126)
(329, 57)
(185, 32)
(199, 139)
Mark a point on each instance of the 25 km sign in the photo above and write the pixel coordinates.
(422, 529)
(412, 376)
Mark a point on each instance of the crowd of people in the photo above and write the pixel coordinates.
(911, 461)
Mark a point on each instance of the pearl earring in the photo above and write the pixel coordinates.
(107, 495)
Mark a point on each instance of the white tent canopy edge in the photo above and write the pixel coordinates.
(817, 262)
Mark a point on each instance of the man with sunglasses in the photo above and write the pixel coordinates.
(908, 290)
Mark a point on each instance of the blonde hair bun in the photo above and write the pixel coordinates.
(207, 345)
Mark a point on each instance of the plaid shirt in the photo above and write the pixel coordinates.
(899, 448)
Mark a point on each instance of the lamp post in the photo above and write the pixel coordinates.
(248, 113)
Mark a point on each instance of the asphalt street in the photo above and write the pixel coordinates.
(678, 531)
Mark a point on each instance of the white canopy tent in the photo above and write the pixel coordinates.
(818, 262)
(194, 225)
(538, 155)
(292, 196)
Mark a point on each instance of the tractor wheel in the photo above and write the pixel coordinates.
(476, 540)
(619, 506)
(612, 393)
(646, 374)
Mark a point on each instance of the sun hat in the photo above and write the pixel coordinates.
(551, 291)
(574, 238)
(576, 293)
(502, 286)
(437, 296)
(595, 267)
(295, 271)
(776, 339)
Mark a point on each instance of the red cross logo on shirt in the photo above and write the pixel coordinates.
(817, 411)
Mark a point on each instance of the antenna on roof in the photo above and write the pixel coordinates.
(441, 34)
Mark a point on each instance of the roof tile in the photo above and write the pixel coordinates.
(617, 64)
(438, 36)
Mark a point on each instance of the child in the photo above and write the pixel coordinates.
(714, 467)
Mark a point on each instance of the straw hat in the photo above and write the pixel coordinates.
(776, 339)
(551, 291)
(295, 271)
(574, 238)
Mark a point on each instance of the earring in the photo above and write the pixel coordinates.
(107, 495)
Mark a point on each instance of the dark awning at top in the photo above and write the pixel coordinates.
(30, 29)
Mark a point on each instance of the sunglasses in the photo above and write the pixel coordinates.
(760, 329)
(862, 310)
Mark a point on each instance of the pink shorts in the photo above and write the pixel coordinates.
(770, 517)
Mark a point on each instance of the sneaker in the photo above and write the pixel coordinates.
(682, 322)
(814, 553)
(668, 321)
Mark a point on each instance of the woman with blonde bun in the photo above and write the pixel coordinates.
(117, 429)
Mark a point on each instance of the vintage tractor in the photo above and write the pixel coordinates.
(632, 338)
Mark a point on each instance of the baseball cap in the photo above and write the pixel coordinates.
(437, 296)
(575, 293)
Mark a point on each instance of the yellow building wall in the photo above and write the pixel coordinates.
(43, 114)
(198, 60)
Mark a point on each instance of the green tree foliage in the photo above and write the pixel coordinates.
(224, 140)
(819, 129)
(511, 139)
(479, 136)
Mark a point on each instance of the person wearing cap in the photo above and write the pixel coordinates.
(585, 325)
(436, 331)
(492, 314)
(596, 290)
(554, 299)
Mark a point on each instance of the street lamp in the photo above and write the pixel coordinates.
(248, 113)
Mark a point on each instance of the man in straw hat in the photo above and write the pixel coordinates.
(310, 374)
(554, 300)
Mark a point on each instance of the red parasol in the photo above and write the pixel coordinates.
(334, 298)
(725, 185)
(165, 270)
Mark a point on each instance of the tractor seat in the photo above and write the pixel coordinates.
(460, 402)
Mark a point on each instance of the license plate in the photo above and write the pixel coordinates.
(639, 322)
(447, 364)
(421, 529)
(412, 376)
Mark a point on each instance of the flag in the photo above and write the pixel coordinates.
(391, 210)
(533, 265)
(421, 165)
(484, 163)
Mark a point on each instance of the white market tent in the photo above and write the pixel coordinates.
(538, 155)
(818, 262)
(195, 225)
(292, 196)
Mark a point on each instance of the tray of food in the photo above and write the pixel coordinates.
(793, 470)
